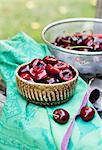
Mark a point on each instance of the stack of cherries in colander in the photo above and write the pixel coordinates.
(80, 41)
(48, 70)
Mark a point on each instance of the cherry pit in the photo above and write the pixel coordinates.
(48, 70)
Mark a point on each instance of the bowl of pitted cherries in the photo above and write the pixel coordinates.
(77, 41)
(46, 81)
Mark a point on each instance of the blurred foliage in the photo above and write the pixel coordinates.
(31, 16)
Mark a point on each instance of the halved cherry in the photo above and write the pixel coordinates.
(50, 60)
(60, 65)
(87, 113)
(26, 76)
(40, 75)
(66, 75)
(52, 70)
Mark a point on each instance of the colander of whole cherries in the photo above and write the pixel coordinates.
(77, 41)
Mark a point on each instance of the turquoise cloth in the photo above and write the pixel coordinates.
(31, 127)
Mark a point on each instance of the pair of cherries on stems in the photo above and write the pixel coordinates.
(86, 112)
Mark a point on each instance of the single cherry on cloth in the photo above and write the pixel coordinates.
(94, 95)
(52, 70)
(87, 113)
(26, 76)
(50, 60)
(66, 75)
(61, 116)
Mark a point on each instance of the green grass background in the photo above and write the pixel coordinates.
(31, 16)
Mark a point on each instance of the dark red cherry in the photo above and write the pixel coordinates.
(87, 113)
(51, 80)
(40, 75)
(61, 116)
(26, 76)
(32, 72)
(34, 62)
(74, 40)
(94, 95)
(66, 75)
(90, 42)
(40, 66)
(50, 60)
(52, 70)
(24, 69)
(61, 65)
(59, 41)
(98, 46)
(37, 65)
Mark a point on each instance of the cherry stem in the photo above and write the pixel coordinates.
(73, 47)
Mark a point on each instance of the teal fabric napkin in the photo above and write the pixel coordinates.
(31, 127)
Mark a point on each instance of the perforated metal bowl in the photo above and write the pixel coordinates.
(89, 64)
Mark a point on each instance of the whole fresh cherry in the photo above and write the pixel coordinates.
(26, 76)
(24, 69)
(34, 62)
(61, 65)
(40, 75)
(51, 80)
(37, 65)
(52, 70)
(50, 60)
(61, 116)
(94, 95)
(66, 75)
(32, 72)
(87, 113)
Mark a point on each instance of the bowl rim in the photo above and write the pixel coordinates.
(44, 84)
(47, 27)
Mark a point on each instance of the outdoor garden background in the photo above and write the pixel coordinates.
(30, 16)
